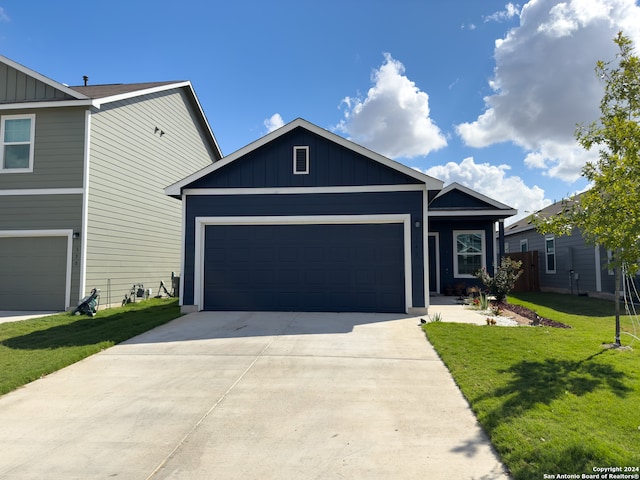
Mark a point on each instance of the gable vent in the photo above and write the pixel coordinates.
(300, 160)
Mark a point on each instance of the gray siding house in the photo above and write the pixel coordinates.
(82, 174)
(305, 220)
(566, 264)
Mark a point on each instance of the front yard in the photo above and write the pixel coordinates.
(553, 401)
(30, 349)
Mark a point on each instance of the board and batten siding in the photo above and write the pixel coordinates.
(58, 150)
(16, 86)
(133, 228)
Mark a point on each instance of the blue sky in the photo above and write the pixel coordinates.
(486, 93)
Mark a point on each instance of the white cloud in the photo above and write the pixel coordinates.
(544, 81)
(274, 122)
(494, 182)
(394, 117)
(3, 16)
(510, 10)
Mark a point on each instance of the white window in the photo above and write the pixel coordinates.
(550, 252)
(16, 142)
(469, 254)
(506, 247)
(524, 245)
(300, 160)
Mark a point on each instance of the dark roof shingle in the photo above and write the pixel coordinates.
(103, 91)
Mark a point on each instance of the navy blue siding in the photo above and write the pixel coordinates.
(457, 200)
(358, 267)
(330, 165)
(308, 204)
(445, 229)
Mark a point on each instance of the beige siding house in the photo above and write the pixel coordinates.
(82, 178)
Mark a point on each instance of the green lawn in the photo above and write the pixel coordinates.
(30, 349)
(553, 401)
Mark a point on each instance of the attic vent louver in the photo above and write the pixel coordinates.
(301, 160)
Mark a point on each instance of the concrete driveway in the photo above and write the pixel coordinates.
(250, 396)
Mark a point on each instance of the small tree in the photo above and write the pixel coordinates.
(501, 284)
(608, 214)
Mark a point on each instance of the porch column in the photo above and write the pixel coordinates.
(500, 240)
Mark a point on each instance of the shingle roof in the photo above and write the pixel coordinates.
(103, 91)
(549, 211)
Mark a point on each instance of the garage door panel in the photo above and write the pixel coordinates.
(304, 267)
(33, 273)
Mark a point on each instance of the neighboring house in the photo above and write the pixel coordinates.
(566, 264)
(303, 219)
(82, 174)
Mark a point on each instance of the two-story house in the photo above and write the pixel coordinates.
(82, 173)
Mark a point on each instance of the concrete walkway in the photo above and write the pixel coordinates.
(250, 396)
(7, 316)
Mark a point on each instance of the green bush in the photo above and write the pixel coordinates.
(503, 281)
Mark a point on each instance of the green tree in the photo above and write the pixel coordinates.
(608, 213)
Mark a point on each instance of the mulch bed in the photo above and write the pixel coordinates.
(535, 319)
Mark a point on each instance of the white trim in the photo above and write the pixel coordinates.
(41, 191)
(50, 233)
(305, 149)
(298, 190)
(46, 104)
(596, 257)
(183, 247)
(483, 253)
(85, 204)
(432, 183)
(471, 213)
(525, 242)
(546, 255)
(436, 235)
(202, 222)
(31, 142)
(98, 102)
(425, 246)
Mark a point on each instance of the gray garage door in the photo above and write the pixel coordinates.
(355, 267)
(33, 273)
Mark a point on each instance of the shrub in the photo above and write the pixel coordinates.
(503, 281)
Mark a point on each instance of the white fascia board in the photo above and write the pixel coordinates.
(204, 117)
(47, 104)
(41, 191)
(430, 182)
(42, 78)
(518, 230)
(471, 213)
(304, 190)
(98, 102)
(186, 84)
